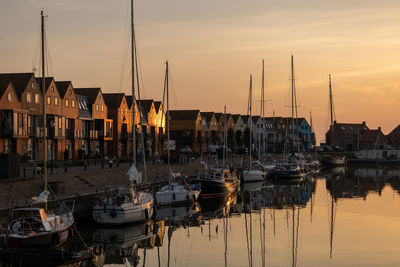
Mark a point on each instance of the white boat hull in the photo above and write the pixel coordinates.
(174, 198)
(123, 214)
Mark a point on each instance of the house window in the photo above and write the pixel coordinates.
(102, 108)
(73, 103)
(29, 97)
(32, 85)
(10, 97)
(97, 107)
(66, 102)
(70, 92)
(52, 88)
(122, 111)
(37, 98)
(59, 123)
(48, 100)
(56, 101)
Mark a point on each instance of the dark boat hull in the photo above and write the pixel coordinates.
(210, 188)
(48, 240)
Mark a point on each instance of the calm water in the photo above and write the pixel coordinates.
(342, 218)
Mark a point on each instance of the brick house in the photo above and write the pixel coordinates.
(70, 110)
(372, 139)
(119, 112)
(100, 132)
(186, 128)
(347, 135)
(27, 99)
(393, 138)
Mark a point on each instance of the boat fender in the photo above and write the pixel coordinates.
(113, 213)
(173, 196)
(146, 230)
(97, 251)
(97, 201)
(146, 214)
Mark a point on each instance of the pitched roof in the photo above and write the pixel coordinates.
(3, 87)
(350, 128)
(47, 81)
(218, 115)
(20, 80)
(189, 115)
(62, 87)
(113, 100)
(207, 115)
(90, 93)
(146, 104)
(128, 99)
(157, 105)
(235, 117)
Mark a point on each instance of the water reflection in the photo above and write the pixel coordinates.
(341, 217)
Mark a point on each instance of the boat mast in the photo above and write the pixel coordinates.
(225, 138)
(168, 146)
(331, 114)
(140, 105)
(262, 115)
(251, 119)
(133, 86)
(44, 108)
(292, 80)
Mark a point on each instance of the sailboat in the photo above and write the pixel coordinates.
(252, 174)
(174, 193)
(128, 204)
(218, 181)
(36, 227)
(289, 169)
(332, 158)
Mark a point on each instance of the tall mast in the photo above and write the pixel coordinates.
(331, 113)
(44, 108)
(262, 115)
(133, 85)
(225, 139)
(292, 79)
(168, 148)
(251, 119)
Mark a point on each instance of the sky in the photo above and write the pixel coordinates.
(212, 48)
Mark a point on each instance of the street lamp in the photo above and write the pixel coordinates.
(52, 146)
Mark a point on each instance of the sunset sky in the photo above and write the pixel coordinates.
(213, 47)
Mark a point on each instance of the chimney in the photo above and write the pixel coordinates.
(379, 129)
(363, 123)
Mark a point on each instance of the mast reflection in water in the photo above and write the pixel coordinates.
(343, 217)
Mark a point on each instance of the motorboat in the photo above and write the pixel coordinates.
(288, 170)
(175, 194)
(217, 181)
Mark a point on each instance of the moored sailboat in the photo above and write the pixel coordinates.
(174, 193)
(130, 204)
(37, 227)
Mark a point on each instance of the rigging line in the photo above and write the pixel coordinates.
(173, 89)
(297, 232)
(36, 53)
(125, 48)
(247, 238)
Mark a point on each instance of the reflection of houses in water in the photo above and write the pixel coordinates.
(360, 182)
(282, 194)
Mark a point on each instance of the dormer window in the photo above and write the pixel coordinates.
(10, 97)
(32, 85)
(70, 92)
(52, 88)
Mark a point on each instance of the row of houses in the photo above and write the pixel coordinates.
(358, 136)
(79, 121)
(87, 122)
